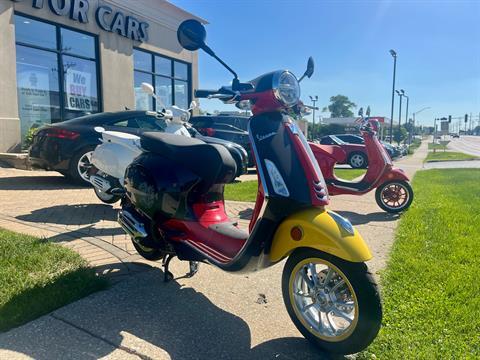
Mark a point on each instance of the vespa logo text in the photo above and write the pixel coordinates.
(266, 136)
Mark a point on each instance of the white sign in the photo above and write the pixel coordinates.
(33, 88)
(78, 90)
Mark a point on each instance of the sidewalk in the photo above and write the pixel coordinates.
(212, 315)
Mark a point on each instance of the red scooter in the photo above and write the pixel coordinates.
(393, 193)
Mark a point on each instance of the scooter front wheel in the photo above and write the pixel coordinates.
(334, 303)
(394, 196)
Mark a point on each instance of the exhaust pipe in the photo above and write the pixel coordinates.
(131, 225)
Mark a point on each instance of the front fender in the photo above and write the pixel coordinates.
(394, 174)
(322, 230)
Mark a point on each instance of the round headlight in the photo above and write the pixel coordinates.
(286, 88)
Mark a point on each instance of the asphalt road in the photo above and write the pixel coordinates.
(466, 144)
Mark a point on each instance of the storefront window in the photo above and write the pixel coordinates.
(170, 79)
(37, 87)
(56, 80)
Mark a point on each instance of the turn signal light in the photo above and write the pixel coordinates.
(62, 134)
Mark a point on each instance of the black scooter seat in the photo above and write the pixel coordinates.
(213, 163)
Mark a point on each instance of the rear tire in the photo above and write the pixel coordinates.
(342, 292)
(148, 253)
(387, 193)
(358, 160)
(79, 165)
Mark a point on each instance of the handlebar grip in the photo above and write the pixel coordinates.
(204, 93)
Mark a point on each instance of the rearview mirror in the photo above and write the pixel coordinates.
(360, 112)
(310, 69)
(191, 34)
(193, 105)
(147, 88)
(99, 129)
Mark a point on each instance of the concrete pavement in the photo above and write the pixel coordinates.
(212, 315)
(466, 144)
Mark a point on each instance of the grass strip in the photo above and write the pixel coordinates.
(431, 287)
(449, 156)
(37, 277)
(247, 190)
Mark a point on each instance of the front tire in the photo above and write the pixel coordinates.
(334, 303)
(394, 196)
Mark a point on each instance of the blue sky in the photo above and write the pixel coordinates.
(438, 46)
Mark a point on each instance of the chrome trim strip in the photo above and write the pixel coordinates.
(257, 161)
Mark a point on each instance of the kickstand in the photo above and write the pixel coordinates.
(193, 269)
(167, 275)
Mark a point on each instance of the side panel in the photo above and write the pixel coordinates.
(322, 232)
(158, 186)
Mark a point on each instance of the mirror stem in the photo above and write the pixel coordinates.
(212, 54)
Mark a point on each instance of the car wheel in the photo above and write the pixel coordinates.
(80, 164)
(358, 160)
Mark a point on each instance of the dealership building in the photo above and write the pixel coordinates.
(61, 59)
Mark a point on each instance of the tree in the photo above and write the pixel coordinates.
(340, 106)
(399, 134)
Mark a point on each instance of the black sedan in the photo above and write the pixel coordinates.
(67, 146)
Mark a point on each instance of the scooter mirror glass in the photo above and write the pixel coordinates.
(147, 88)
(360, 112)
(310, 67)
(99, 129)
(191, 35)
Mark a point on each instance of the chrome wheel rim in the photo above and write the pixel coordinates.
(323, 299)
(357, 160)
(84, 164)
(395, 196)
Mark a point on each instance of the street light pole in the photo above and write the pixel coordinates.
(314, 99)
(400, 93)
(414, 114)
(394, 55)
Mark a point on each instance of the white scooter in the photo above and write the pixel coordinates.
(117, 150)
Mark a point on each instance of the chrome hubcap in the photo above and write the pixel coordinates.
(357, 160)
(84, 165)
(324, 300)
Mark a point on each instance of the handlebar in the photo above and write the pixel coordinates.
(205, 93)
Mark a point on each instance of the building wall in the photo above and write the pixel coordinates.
(115, 53)
(9, 121)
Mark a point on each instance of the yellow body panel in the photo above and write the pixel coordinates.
(321, 232)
